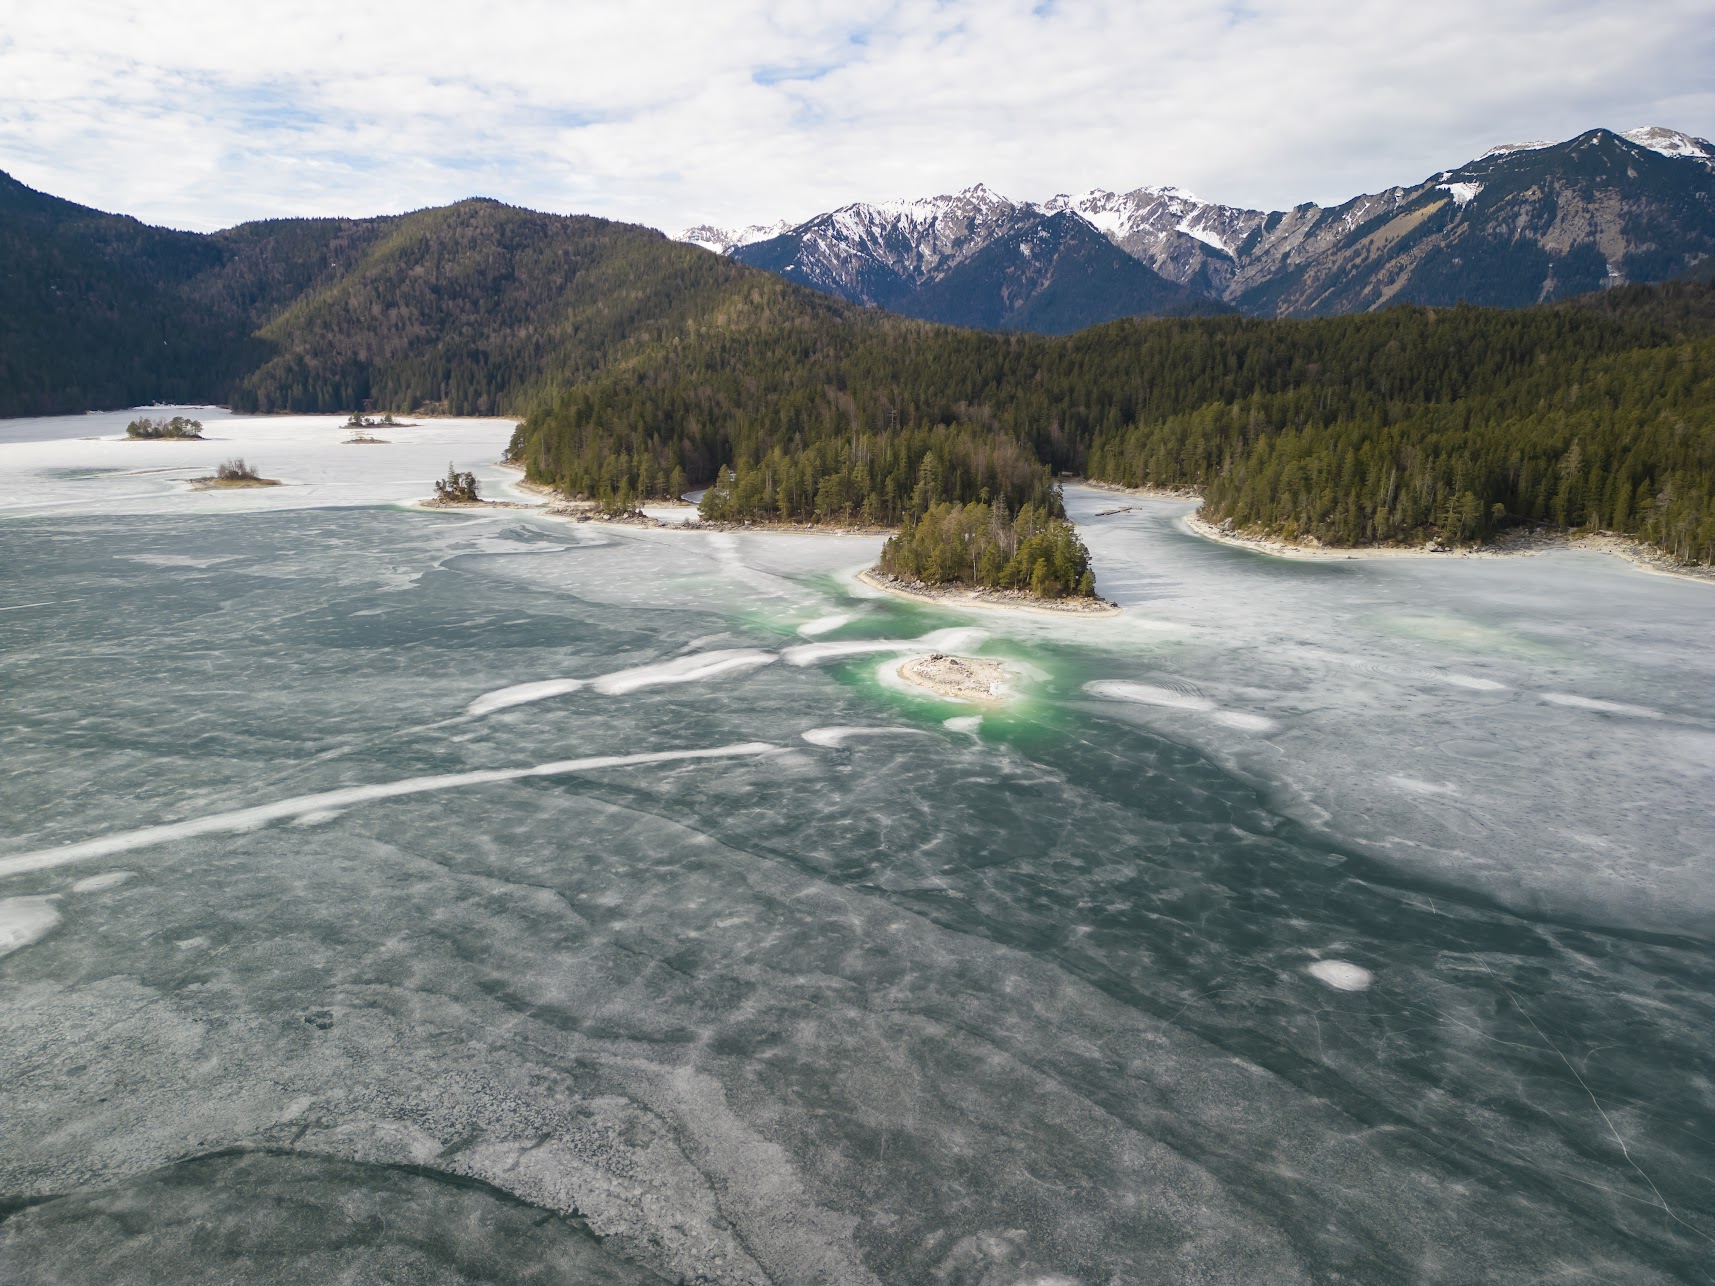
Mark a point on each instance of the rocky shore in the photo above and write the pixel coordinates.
(1518, 543)
(965, 596)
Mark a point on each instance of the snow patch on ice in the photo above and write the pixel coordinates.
(1341, 975)
(966, 723)
(25, 920)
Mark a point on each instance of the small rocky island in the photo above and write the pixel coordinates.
(459, 490)
(361, 424)
(233, 473)
(960, 678)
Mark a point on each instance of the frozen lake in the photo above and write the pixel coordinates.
(392, 895)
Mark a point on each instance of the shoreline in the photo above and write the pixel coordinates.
(1523, 545)
(987, 600)
(232, 484)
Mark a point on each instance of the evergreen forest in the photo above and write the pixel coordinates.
(1397, 427)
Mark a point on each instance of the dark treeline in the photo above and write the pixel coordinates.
(1390, 427)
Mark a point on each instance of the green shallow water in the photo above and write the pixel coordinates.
(1028, 1003)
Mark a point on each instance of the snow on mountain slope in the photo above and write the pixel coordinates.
(722, 241)
(1601, 203)
(1670, 142)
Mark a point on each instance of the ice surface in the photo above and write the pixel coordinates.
(84, 461)
(544, 997)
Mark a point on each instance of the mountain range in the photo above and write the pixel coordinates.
(1524, 223)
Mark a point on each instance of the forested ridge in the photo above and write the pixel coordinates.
(1391, 427)
(465, 309)
(640, 364)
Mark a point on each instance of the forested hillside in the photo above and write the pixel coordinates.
(1390, 427)
(465, 309)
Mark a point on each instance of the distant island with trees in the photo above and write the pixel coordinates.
(233, 473)
(176, 429)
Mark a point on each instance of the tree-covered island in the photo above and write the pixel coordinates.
(178, 428)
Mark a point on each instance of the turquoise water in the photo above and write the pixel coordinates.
(1033, 1001)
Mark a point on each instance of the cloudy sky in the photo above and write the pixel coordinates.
(669, 112)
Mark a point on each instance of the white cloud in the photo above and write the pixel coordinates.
(199, 115)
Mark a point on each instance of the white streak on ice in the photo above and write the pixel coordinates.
(1472, 682)
(23, 920)
(94, 883)
(834, 737)
(1245, 722)
(1149, 694)
(952, 640)
(519, 694)
(246, 819)
(1341, 975)
(967, 723)
(684, 669)
(1417, 786)
(1604, 707)
(822, 624)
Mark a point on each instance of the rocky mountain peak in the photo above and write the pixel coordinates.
(1670, 142)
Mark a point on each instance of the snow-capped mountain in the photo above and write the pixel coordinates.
(723, 242)
(1521, 223)
(879, 254)
(971, 258)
